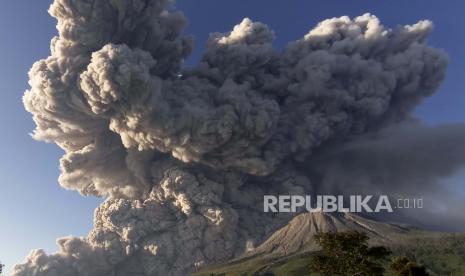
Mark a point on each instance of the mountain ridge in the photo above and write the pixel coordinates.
(287, 250)
(297, 235)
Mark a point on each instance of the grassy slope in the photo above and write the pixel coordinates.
(444, 256)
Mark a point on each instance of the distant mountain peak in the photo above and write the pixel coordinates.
(298, 234)
(288, 249)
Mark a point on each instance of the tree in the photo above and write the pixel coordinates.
(403, 266)
(1, 268)
(348, 254)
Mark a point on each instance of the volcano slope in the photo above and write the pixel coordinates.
(288, 250)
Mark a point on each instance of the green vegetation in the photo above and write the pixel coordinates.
(441, 256)
(295, 265)
(348, 253)
(404, 266)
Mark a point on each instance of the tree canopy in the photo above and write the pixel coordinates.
(348, 254)
(404, 266)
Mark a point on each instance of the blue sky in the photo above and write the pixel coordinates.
(34, 210)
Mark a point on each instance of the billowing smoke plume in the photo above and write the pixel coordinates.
(406, 160)
(186, 155)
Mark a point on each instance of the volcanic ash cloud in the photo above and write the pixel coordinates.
(184, 156)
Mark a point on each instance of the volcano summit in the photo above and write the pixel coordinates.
(185, 155)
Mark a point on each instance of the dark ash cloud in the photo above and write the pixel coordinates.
(185, 155)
